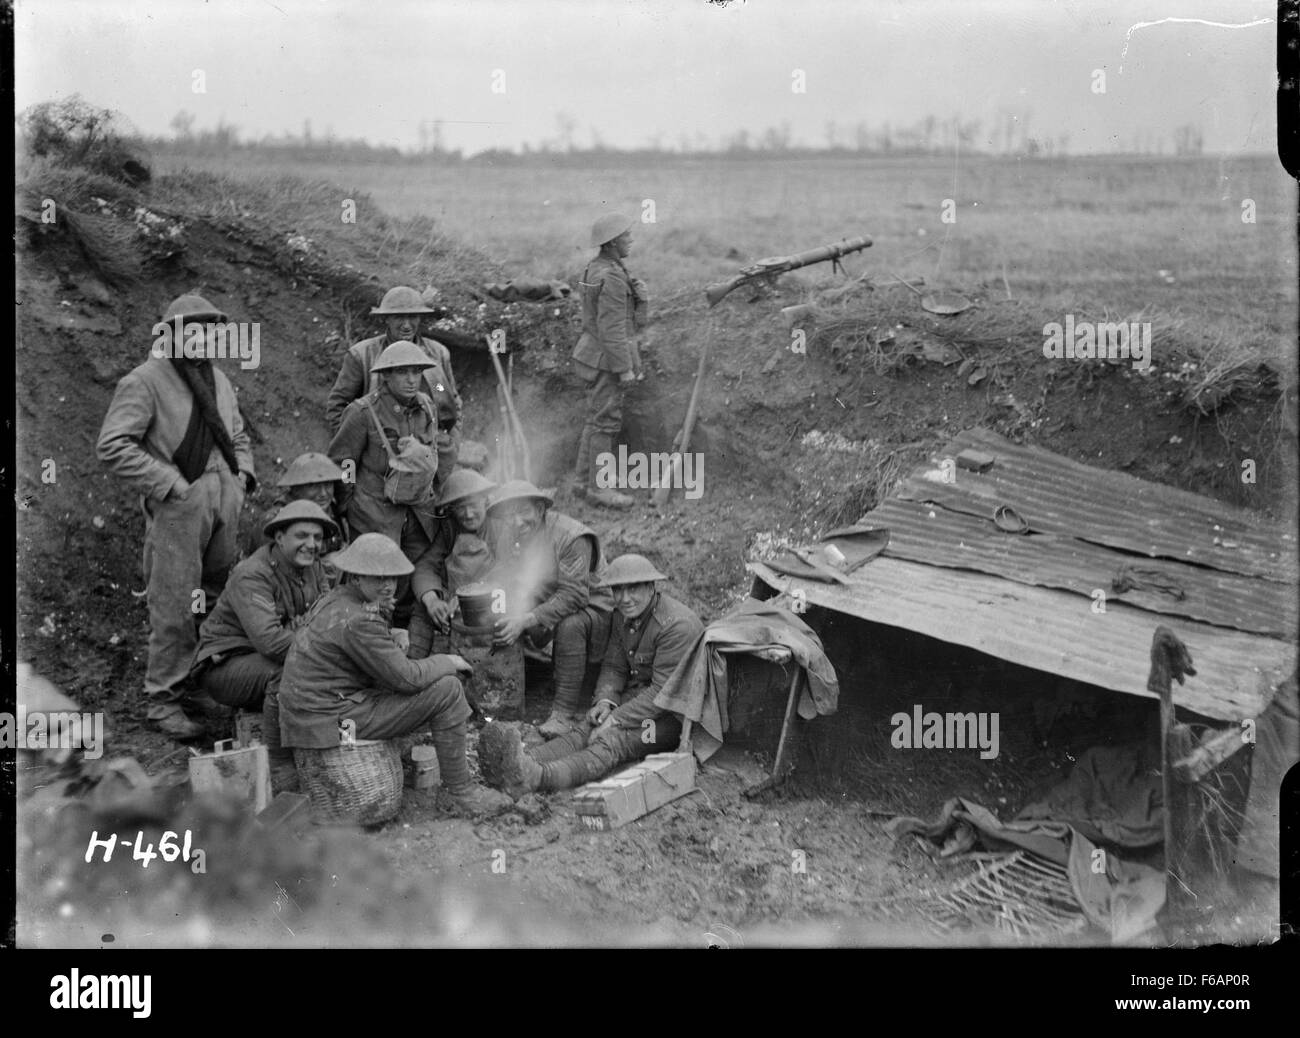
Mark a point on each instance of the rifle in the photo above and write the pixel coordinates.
(775, 265)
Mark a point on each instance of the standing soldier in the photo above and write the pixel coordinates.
(649, 638)
(613, 308)
(174, 431)
(402, 309)
(387, 439)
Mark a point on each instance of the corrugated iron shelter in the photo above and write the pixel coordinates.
(1222, 578)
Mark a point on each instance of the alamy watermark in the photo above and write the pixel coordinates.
(46, 730)
(953, 731)
(636, 470)
(1087, 340)
(211, 340)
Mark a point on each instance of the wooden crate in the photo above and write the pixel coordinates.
(635, 791)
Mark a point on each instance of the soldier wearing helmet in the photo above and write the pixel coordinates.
(347, 663)
(459, 555)
(388, 438)
(402, 309)
(174, 431)
(606, 356)
(648, 639)
(310, 477)
(244, 640)
(549, 566)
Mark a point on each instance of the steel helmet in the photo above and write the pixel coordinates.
(631, 569)
(402, 354)
(461, 484)
(194, 308)
(372, 555)
(401, 300)
(514, 489)
(608, 227)
(312, 467)
(301, 512)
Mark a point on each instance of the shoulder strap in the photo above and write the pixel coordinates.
(383, 436)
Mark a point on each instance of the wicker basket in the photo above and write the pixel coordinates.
(361, 784)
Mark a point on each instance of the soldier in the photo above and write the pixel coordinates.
(402, 309)
(549, 565)
(613, 308)
(243, 643)
(309, 477)
(174, 430)
(459, 555)
(347, 662)
(652, 635)
(388, 438)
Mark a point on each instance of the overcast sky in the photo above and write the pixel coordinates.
(633, 69)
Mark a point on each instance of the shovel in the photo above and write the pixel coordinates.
(946, 303)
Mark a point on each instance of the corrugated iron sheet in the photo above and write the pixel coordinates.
(949, 573)
(936, 536)
(1055, 631)
(1057, 495)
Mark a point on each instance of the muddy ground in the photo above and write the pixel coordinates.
(794, 443)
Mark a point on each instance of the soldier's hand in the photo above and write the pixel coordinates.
(180, 490)
(597, 714)
(438, 610)
(508, 631)
(403, 638)
(627, 376)
(462, 665)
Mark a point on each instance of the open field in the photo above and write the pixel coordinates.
(1089, 234)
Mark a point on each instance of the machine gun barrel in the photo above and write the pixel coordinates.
(782, 264)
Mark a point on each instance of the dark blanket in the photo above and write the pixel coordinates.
(697, 689)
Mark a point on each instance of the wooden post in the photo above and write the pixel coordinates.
(1170, 661)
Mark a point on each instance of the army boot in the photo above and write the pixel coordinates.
(605, 497)
(558, 724)
(465, 795)
(506, 764)
(171, 720)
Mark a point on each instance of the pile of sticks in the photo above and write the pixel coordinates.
(513, 459)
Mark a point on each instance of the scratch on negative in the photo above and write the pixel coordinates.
(1128, 36)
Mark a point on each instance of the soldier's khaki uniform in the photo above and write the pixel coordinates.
(189, 544)
(642, 653)
(613, 308)
(355, 381)
(567, 599)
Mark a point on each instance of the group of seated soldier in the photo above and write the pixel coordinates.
(315, 633)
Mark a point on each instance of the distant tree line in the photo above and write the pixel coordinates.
(1009, 133)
